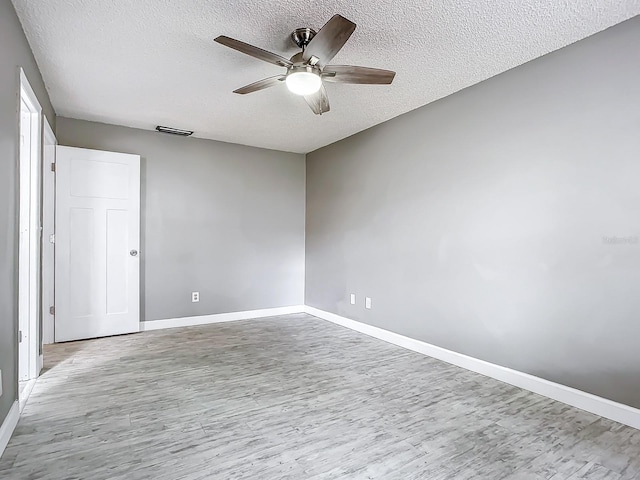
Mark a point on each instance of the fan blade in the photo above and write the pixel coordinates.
(319, 101)
(353, 74)
(329, 40)
(260, 84)
(253, 51)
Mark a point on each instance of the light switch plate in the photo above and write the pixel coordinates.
(367, 303)
(353, 299)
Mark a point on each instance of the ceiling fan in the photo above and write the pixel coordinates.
(308, 69)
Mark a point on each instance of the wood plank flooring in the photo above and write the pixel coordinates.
(294, 397)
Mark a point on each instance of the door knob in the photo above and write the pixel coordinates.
(133, 253)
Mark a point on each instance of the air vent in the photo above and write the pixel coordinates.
(174, 131)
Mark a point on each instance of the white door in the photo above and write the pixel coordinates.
(97, 241)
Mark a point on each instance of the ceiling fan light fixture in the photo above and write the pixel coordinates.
(303, 82)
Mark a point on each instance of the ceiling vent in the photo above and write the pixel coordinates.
(174, 131)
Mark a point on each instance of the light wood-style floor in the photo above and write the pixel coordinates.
(294, 397)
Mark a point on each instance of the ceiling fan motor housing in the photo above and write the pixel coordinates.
(303, 68)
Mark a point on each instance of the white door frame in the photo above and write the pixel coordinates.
(48, 232)
(29, 324)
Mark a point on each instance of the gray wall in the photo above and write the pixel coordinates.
(225, 220)
(14, 52)
(476, 223)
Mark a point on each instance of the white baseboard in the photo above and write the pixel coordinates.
(26, 393)
(571, 396)
(8, 426)
(219, 317)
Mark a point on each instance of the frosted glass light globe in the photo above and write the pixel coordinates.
(303, 83)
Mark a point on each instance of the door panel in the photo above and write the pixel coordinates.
(93, 179)
(97, 225)
(117, 256)
(81, 254)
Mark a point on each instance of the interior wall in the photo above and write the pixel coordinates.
(14, 52)
(222, 219)
(501, 222)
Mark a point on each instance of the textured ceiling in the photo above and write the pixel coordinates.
(146, 62)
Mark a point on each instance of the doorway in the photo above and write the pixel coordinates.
(30, 235)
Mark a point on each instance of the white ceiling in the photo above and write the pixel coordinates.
(147, 62)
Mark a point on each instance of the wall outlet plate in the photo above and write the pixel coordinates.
(353, 299)
(367, 303)
(195, 297)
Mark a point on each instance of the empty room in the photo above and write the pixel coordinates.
(389, 240)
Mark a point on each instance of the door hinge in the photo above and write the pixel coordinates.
(52, 238)
(53, 167)
(52, 310)
(19, 336)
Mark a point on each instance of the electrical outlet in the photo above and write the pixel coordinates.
(367, 303)
(353, 299)
(195, 297)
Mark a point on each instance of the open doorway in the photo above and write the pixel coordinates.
(30, 236)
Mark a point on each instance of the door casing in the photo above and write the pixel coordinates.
(29, 264)
(48, 232)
